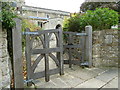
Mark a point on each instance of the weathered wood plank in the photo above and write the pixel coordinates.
(70, 58)
(60, 54)
(72, 46)
(28, 55)
(17, 55)
(70, 42)
(83, 48)
(46, 46)
(47, 77)
(47, 50)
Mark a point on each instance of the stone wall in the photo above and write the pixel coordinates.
(105, 48)
(4, 62)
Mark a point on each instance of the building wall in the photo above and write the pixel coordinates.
(105, 48)
(55, 17)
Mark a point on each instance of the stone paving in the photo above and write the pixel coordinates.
(77, 77)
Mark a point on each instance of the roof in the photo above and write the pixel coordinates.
(39, 9)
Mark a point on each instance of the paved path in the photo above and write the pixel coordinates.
(78, 77)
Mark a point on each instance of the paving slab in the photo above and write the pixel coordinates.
(92, 83)
(74, 68)
(112, 84)
(71, 80)
(83, 74)
(59, 83)
(108, 75)
(97, 70)
(49, 84)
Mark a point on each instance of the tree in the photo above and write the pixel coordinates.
(7, 15)
(93, 5)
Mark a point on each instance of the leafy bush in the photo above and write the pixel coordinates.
(101, 18)
(72, 24)
(7, 15)
(27, 24)
(6, 18)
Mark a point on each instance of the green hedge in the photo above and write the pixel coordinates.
(101, 18)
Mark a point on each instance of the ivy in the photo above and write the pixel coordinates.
(7, 14)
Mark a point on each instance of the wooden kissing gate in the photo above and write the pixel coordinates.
(79, 52)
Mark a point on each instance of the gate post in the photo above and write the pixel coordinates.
(17, 54)
(88, 30)
(61, 53)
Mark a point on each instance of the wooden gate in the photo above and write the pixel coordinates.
(45, 52)
(78, 47)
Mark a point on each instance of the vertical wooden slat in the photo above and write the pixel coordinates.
(88, 30)
(82, 43)
(17, 55)
(47, 77)
(70, 51)
(28, 55)
(70, 58)
(61, 53)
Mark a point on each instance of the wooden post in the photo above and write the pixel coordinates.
(28, 56)
(47, 76)
(17, 55)
(61, 53)
(88, 30)
(70, 50)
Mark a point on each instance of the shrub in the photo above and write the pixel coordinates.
(6, 15)
(72, 24)
(6, 18)
(28, 24)
(101, 18)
